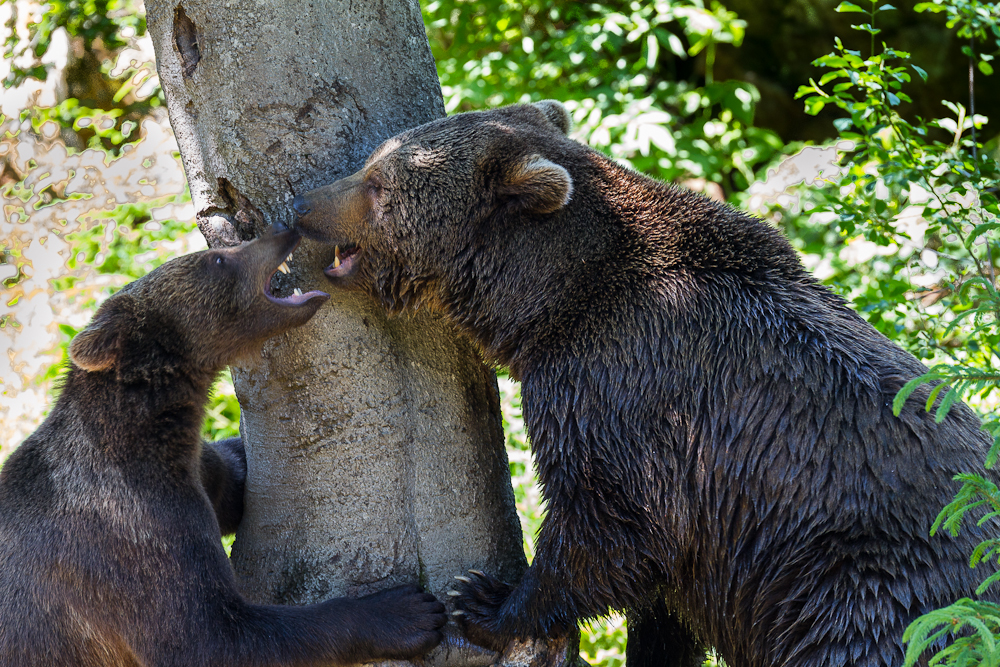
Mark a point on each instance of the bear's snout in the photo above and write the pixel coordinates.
(301, 206)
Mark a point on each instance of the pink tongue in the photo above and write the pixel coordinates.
(346, 264)
(296, 299)
(346, 267)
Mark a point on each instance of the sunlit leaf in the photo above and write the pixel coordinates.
(849, 7)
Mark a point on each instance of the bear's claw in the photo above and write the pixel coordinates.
(479, 602)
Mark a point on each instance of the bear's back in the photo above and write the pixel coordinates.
(766, 403)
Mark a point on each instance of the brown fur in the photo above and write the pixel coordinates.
(713, 429)
(111, 512)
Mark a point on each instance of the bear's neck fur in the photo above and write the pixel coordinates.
(632, 237)
(159, 407)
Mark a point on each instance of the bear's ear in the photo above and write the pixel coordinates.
(537, 185)
(555, 113)
(98, 347)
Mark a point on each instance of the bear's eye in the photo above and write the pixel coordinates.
(218, 262)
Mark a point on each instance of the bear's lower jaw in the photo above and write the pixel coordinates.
(297, 297)
(345, 264)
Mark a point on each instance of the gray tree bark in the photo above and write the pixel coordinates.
(374, 446)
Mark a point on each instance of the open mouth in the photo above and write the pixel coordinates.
(276, 291)
(345, 261)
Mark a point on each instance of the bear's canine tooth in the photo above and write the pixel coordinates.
(297, 292)
(336, 256)
(284, 267)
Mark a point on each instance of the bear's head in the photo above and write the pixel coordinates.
(198, 312)
(440, 208)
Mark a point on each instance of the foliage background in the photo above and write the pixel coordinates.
(828, 123)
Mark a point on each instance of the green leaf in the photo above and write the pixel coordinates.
(979, 230)
(845, 7)
(829, 76)
(676, 46)
(831, 60)
(992, 579)
(652, 50)
(866, 27)
(814, 105)
(945, 406)
(985, 67)
(907, 389)
(843, 124)
(884, 8)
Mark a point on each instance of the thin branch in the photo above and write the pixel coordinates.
(972, 96)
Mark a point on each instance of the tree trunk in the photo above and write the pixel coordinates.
(374, 446)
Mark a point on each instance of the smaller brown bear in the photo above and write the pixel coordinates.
(111, 512)
(713, 429)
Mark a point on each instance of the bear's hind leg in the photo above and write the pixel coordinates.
(657, 638)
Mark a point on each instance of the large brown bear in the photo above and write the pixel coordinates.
(110, 551)
(713, 429)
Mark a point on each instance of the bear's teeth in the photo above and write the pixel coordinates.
(336, 256)
(284, 267)
(297, 292)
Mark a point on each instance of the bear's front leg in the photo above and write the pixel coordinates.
(492, 613)
(553, 593)
(223, 475)
(569, 579)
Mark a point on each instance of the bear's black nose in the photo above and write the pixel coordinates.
(301, 206)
